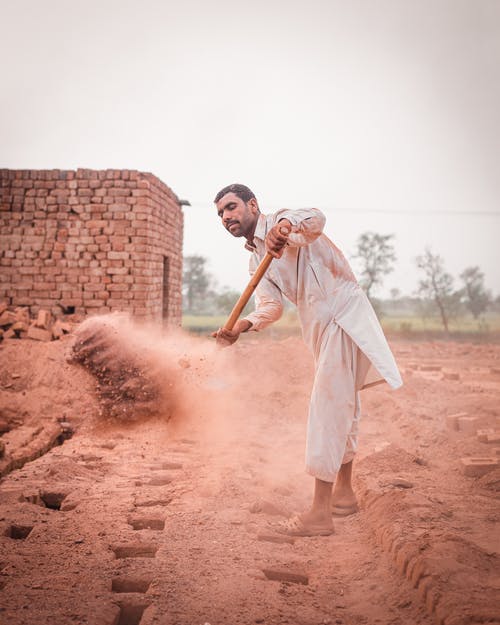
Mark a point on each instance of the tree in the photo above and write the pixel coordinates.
(225, 300)
(195, 283)
(201, 293)
(437, 286)
(475, 297)
(376, 254)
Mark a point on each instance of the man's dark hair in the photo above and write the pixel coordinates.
(243, 192)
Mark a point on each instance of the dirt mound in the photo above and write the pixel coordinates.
(41, 398)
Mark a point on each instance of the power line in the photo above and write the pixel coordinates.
(388, 211)
(424, 211)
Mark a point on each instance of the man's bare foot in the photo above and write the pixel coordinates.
(344, 502)
(301, 525)
(317, 518)
(344, 499)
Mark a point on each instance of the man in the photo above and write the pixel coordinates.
(338, 324)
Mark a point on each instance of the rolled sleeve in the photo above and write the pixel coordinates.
(307, 225)
(268, 305)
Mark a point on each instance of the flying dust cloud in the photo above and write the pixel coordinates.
(144, 372)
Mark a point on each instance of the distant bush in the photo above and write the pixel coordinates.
(405, 327)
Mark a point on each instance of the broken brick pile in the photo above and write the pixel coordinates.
(472, 466)
(16, 323)
(91, 242)
(476, 466)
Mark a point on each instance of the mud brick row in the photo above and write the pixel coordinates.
(479, 465)
(426, 565)
(488, 435)
(91, 242)
(462, 422)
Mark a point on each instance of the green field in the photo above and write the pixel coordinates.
(487, 328)
(204, 324)
(465, 325)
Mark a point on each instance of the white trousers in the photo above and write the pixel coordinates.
(334, 409)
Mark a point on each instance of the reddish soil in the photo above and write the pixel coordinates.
(159, 508)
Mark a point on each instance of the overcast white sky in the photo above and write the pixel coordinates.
(383, 113)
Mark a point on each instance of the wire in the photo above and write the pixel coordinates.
(390, 211)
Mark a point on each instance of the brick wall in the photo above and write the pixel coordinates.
(92, 241)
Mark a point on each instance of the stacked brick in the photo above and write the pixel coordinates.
(89, 241)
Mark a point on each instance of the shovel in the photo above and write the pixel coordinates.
(251, 286)
(247, 293)
(242, 302)
(220, 383)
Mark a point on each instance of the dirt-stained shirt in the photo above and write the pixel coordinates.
(315, 276)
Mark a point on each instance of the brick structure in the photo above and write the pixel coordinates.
(90, 241)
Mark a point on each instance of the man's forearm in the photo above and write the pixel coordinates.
(242, 325)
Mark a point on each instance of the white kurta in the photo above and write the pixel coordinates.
(338, 324)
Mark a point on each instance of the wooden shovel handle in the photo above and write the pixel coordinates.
(247, 293)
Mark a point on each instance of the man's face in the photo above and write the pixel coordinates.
(237, 217)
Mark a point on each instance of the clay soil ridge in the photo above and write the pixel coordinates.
(170, 520)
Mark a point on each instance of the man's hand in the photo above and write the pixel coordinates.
(225, 337)
(277, 238)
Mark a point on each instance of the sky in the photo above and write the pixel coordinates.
(384, 114)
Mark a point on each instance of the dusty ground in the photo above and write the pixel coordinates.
(161, 514)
